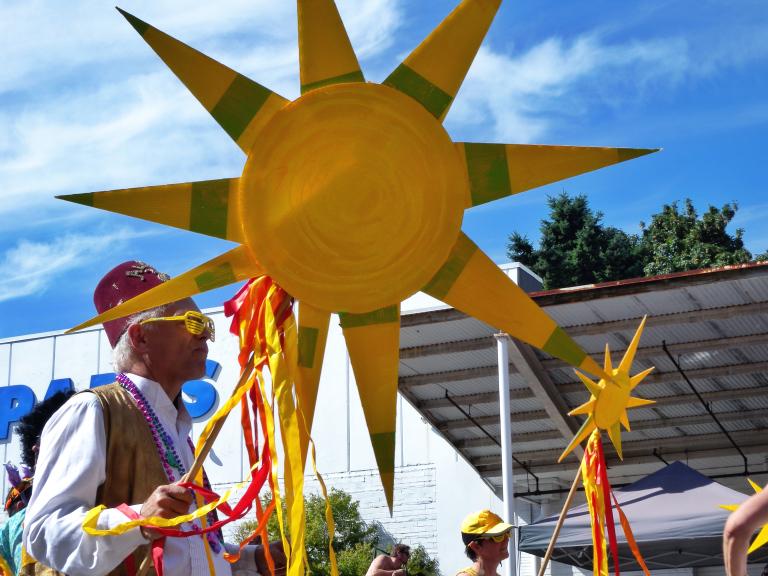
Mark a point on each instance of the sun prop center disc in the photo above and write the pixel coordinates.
(352, 197)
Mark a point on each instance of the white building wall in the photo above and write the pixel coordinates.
(434, 487)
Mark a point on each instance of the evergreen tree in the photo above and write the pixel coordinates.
(575, 248)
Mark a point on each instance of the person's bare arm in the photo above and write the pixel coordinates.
(739, 527)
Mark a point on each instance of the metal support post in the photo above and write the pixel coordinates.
(502, 341)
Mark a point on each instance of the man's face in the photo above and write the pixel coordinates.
(173, 354)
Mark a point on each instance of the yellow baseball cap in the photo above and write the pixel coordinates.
(482, 524)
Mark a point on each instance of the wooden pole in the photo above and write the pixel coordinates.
(198, 463)
(560, 522)
(200, 459)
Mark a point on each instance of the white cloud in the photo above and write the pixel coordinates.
(85, 105)
(525, 94)
(32, 267)
(139, 132)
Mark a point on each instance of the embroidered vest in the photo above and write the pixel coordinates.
(133, 469)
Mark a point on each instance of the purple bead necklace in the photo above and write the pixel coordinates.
(163, 442)
(166, 448)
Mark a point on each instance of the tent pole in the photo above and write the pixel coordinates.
(502, 341)
(559, 524)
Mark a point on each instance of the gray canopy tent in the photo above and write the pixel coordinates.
(675, 518)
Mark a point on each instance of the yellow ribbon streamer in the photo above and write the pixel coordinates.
(92, 517)
(279, 359)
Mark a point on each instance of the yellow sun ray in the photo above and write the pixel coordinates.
(634, 402)
(241, 106)
(614, 433)
(502, 303)
(629, 354)
(499, 170)
(583, 433)
(352, 198)
(313, 334)
(594, 389)
(637, 378)
(325, 53)
(607, 366)
(434, 71)
(373, 341)
(230, 267)
(207, 207)
(762, 536)
(624, 418)
(610, 397)
(585, 408)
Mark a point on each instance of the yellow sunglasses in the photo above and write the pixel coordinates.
(498, 537)
(195, 322)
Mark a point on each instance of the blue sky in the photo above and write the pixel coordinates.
(85, 105)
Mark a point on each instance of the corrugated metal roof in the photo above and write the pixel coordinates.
(713, 322)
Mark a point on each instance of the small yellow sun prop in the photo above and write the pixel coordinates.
(607, 406)
(352, 198)
(762, 536)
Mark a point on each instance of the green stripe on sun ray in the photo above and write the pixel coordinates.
(561, 345)
(442, 281)
(420, 89)
(307, 346)
(374, 354)
(209, 208)
(237, 103)
(384, 448)
(232, 266)
(204, 207)
(326, 55)
(341, 79)
(442, 60)
(215, 276)
(472, 283)
(380, 316)
(312, 335)
(499, 170)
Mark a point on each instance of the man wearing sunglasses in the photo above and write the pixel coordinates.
(126, 446)
(486, 540)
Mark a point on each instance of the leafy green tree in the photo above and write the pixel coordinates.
(355, 540)
(575, 248)
(420, 564)
(677, 240)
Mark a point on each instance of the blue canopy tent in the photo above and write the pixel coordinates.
(675, 518)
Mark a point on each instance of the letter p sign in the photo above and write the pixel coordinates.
(15, 402)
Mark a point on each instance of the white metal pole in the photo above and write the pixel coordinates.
(502, 341)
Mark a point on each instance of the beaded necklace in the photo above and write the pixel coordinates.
(163, 442)
(166, 449)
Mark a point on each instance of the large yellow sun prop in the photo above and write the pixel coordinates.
(607, 406)
(352, 198)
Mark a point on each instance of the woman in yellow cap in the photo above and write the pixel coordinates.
(486, 541)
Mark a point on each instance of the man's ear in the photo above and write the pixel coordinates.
(137, 338)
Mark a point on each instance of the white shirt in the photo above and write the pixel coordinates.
(71, 466)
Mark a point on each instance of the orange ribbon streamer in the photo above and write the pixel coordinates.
(600, 496)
